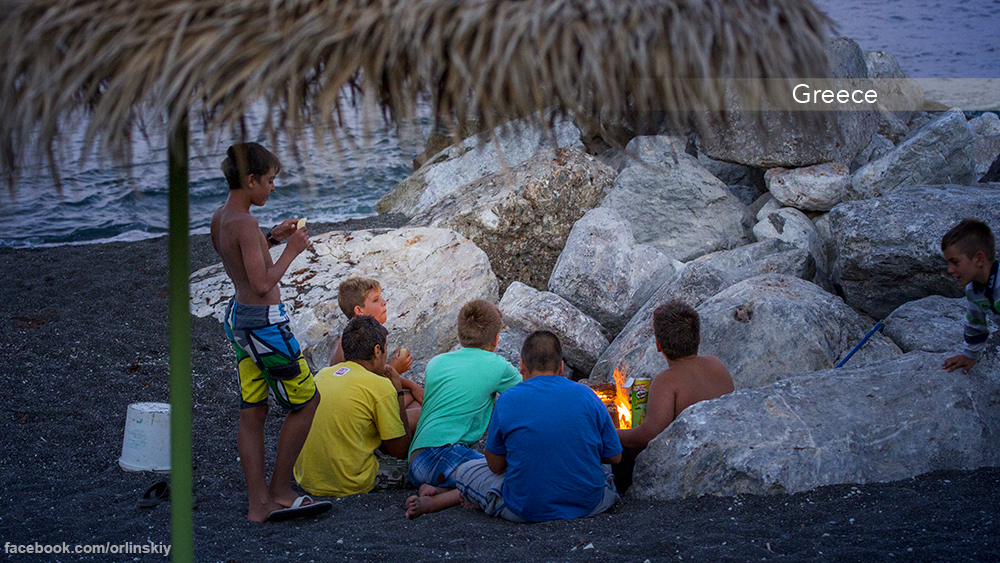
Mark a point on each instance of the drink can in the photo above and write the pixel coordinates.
(640, 391)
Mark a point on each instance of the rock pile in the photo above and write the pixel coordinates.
(790, 243)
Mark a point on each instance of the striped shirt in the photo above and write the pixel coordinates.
(982, 299)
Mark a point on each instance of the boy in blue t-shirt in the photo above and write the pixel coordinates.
(547, 447)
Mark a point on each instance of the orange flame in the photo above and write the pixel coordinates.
(623, 402)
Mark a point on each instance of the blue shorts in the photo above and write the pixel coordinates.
(436, 466)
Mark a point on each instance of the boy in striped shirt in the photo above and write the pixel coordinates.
(970, 251)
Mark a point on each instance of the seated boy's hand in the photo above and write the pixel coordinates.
(960, 361)
(391, 374)
(402, 360)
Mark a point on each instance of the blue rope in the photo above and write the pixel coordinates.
(874, 329)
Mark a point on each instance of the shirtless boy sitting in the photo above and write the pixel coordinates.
(267, 353)
(689, 379)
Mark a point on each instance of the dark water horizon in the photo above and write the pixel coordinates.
(952, 39)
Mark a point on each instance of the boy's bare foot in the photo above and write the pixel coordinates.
(426, 490)
(259, 512)
(418, 506)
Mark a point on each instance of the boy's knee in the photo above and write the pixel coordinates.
(254, 415)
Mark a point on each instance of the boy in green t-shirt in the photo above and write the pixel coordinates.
(459, 390)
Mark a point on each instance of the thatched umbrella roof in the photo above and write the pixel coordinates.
(119, 61)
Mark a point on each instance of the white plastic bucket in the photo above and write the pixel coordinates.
(146, 445)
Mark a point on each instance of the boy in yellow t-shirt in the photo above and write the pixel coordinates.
(362, 409)
(363, 296)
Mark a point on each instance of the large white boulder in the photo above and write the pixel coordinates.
(794, 227)
(426, 276)
(931, 324)
(811, 188)
(772, 138)
(864, 424)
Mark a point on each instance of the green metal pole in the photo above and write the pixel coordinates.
(182, 518)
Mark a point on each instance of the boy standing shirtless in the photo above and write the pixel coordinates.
(267, 353)
(689, 379)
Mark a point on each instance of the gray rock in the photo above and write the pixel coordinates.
(940, 152)
(931, 324)
(674, 204)
(527, 309)
(733, 174)
(747, 195)
(811, 188)
(426, 275)
(889, 248)
(822, 223)
(521, 217)
(633, 351)
(890, 125)
(770, 206)
(510, 343)
(879, 147)
(602, 270)
(769, 327)
(993, 174)
(987, 123)
(988, 364)
(836, 136)
(881, 422)
(985, 150)
(792, 226)
(896, 91)
(476, 157)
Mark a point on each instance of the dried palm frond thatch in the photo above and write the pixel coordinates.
(117, 61)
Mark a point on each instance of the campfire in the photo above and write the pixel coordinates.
(616, 399)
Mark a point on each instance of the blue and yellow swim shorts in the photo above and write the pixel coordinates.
(267, 355)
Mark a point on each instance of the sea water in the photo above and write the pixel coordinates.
(100, 201)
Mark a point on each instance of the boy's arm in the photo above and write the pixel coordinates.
(496, 463)
(398, 447)
(415, 390)
(262, 275)
(975, 334)
(659, 414)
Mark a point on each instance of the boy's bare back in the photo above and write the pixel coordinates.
(687, 381)
(691, 380)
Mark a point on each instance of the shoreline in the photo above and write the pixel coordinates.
(83, 334)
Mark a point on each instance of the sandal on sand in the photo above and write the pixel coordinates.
(154, 495)
(300, 510)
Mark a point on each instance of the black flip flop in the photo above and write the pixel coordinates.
(299, 510)
(154, 495)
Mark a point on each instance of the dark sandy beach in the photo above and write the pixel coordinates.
(83, 334)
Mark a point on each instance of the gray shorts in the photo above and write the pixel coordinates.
(478, 484)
